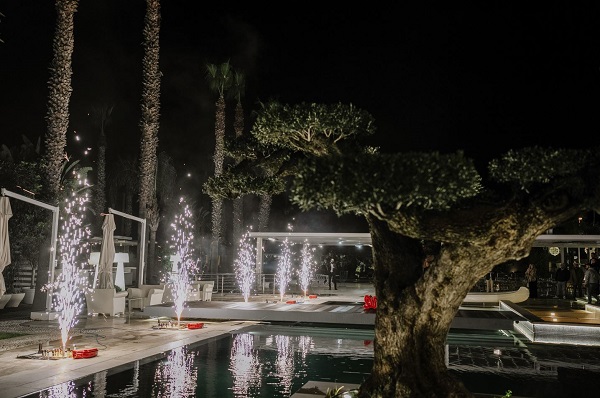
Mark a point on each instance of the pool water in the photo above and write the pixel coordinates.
(276, 361)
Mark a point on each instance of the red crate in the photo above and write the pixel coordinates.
(85, 353)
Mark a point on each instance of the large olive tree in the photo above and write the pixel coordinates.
(420, 204)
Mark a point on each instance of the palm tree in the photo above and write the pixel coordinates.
(57, 116)
(165, 181)
(57, 119)
(149, 121)
(101, 117)
(219, 80)
(237, 91)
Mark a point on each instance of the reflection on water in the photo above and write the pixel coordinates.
(274, 362)
(245, 366)
(64, 390)
(177, 376)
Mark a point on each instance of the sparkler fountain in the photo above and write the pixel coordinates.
(307, 267)
(73, 247)
(182, 243)
(284, 268)
(244, 265)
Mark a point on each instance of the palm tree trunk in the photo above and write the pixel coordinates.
(150, 112)
(217, 204)
(59, 97)
(57, 118)
(238, 203)
(264, 211)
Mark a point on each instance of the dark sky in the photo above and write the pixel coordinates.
(480, 76)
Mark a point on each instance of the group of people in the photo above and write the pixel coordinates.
(578, 278)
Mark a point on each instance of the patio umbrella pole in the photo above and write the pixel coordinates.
(142, 242)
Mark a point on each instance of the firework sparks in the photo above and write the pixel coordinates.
(245, 267)
(284, 268)
(182, 243)
(307, 266)
(73, 247)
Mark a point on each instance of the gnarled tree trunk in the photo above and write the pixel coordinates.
(412, 320)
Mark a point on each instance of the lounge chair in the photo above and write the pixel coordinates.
(149, 295)
(105, 301)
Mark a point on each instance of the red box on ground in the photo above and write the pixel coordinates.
(85, 353)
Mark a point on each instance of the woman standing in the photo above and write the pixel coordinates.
(531, 276)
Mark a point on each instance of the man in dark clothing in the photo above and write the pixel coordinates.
(332, 275)
(591, 281)
(562, 276)
(594, 262)
(576, 280)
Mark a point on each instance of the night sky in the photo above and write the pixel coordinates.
(479, 76)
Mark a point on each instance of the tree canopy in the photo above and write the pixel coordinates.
(417, 205)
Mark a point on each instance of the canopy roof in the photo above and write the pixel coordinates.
(364, 239)
(317, 238)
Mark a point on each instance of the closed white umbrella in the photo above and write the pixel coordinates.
(5, 214)
(107, 253)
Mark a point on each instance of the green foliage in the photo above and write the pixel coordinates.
(383, 182)
(29, 223)
(233, 185)
(282, 136)
(219, 77)
(534, 165)
(311, 128)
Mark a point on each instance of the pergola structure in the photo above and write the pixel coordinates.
(364, 239)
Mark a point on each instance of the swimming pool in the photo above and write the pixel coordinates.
(275, 361)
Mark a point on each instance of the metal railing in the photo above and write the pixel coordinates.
(265, 283)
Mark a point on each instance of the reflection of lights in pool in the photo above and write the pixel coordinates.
(61, 390)
(284, 364)
(177, 376)
(305, 344)
(552, 314)
(244, 365)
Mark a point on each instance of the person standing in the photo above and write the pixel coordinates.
(332, 277)
(531, 276)
(562, 276)
(591, 279)
(490, 277)
(594, 262)
(576, 280)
